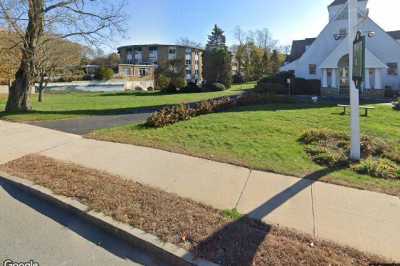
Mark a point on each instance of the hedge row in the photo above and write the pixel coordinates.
(396, 104)
(278, 84)
(174, 114)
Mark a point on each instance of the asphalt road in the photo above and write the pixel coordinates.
(82, 126)
(32, 229)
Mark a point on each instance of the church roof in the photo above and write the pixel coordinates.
(299, 46)
(395, 34)
(341, 2)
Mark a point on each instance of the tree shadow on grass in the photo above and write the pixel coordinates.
(78, 225)
(238, 242)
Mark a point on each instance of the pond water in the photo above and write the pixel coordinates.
(87, 87)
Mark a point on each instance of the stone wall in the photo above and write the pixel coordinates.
(345, 93)
(139, 85)
(329, 92)
(373, 94)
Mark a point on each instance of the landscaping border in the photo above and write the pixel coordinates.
(165, 251)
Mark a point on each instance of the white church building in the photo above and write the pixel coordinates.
(326, 57)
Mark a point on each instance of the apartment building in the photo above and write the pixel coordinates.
(139, 62)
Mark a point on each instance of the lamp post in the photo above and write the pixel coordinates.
(354, 92)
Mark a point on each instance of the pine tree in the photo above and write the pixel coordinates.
(217, 59)
(275, 64)
(217, 39)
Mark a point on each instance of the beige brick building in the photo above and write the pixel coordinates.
(139, 62)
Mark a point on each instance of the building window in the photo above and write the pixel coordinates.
(392, 69)
(129, 58)
(188, 62)
(312, 69)
(172, 50)
(142, 72)
(197, 72)
(188, 72)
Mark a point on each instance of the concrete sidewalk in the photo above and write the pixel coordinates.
(364, 220)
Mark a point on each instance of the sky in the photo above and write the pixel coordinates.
(166, 21)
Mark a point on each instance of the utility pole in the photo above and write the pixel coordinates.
(354, 92)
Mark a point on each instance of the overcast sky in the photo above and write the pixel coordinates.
(165, 21)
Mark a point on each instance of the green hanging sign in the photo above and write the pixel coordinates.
(359, 60)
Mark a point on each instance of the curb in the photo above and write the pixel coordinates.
(167, 252)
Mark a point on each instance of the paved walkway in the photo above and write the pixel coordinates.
(365, 220)
(82, 126)
(31, 229)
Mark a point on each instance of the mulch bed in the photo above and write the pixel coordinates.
(191, 225)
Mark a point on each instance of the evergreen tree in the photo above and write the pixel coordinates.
(275, 62)
(217, 39)
(217, 59)
(266, 64)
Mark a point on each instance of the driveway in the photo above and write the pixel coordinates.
(32, 229)
(83, 126)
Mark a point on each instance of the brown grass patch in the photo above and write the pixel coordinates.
(186, 223)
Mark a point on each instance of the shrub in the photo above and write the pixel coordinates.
(272, 88)
(332, 149)
(192, 88)
(389, 92)
(174, 114)
(382, 168)
(263, 98)
(328, 156)
(306, 87)
(216, 86)
(320, 135)
(170, 115)
(326, 147)
(104, 73)
(162, 82)
(238, 79)
(277, 84)
(178, 83)
(396, 104)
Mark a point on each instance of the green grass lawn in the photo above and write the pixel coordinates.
(66, 105)
(265, 138)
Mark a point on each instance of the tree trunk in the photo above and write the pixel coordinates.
(19, 92)
(40, 91)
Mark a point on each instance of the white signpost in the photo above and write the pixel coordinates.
(354, 92)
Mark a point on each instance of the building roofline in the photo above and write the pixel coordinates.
(160, 45)
(341, 2)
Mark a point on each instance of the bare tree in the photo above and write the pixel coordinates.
(265, 41)
(187, 42)
(240, 35)
(35, 22)
(57, 55)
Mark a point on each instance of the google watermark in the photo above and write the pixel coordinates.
(9, 262)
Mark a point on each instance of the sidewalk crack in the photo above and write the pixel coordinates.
(54, 147)
(244, 188)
